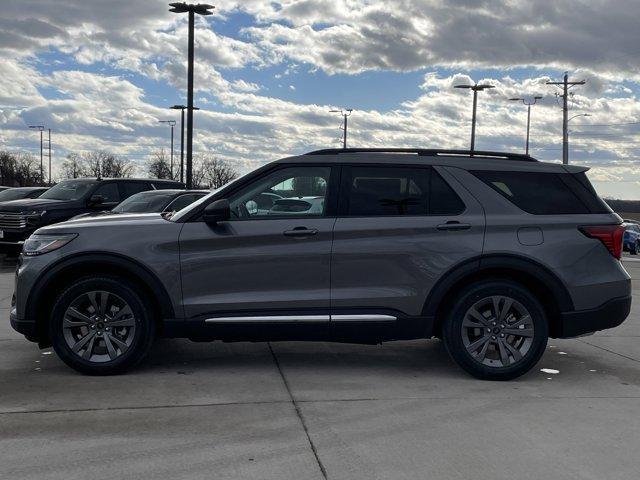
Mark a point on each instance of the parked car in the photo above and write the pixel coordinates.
(492, 252)
(20, 218)
(153, 201)
(631, 240)
(18, 193)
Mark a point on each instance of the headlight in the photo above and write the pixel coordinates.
(40, 244)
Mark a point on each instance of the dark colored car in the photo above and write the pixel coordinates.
(19, 193)
(20, 218)
(153, 201)
(631, 239)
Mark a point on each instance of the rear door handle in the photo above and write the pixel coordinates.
(300, 232)
(453, 225)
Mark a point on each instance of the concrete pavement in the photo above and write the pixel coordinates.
(297, 410)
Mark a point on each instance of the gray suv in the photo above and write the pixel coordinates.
(491, 252)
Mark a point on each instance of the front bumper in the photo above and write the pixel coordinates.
(28, 328)
(15, 237)
(608, 315)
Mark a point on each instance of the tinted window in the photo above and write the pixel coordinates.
(68, 190)
(384, 191)
(129, 188)
(166, 185)
(534, 192)
(380, 191)
(144, 202)
(182, 201)
(109, 192)
(442, 199)
(286, 191)
(13, 194)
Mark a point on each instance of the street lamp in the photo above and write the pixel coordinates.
(567, 135)
(528, 104)
(182, 109)
(476, 88)
(173, 124)
(345, 113)
(40, 128)
(191, 9)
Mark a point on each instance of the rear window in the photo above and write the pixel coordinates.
(545, 193)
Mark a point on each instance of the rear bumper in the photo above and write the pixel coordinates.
(608, 315)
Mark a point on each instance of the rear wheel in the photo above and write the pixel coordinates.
(633, 248)
(101, 326)
(496, 330)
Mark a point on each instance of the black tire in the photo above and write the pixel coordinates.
(141, 337)
(633, 249)
(455, 335)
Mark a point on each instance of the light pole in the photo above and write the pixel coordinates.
(566, 137)
(191, 9)
(528, 104)
(345, 113)
(476, 88)
(172, 123)
(40, 128)
(182, 109)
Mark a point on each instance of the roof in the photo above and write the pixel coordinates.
(465, 159)
(102, 179)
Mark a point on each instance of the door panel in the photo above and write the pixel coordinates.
(252, 266)
(270, 258)
(393, 261)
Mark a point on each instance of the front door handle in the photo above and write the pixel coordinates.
(453, 225)
(300, 232)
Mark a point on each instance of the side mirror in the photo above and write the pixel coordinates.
(96, 200)
(217, 211)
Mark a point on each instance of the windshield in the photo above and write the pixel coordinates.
(13, 194)
(144, 202)
(68, 190)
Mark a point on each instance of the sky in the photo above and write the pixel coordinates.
(102, 74)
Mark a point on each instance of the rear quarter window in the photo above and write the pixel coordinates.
(542, 193)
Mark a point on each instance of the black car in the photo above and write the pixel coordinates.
(153, 201)
(19, 193)
(20, 218)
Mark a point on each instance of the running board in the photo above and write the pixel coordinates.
(303, 318)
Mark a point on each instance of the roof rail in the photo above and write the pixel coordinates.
(429, 152)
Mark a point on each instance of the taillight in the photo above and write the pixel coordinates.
(609, 235)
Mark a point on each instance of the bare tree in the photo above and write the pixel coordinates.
(73, 167)
(211, 172)
(96, 164)
(21, 170)
(159, 166)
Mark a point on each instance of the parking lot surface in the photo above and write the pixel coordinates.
(298, 410)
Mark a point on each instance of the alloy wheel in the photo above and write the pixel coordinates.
(497, 331)
(99, 326)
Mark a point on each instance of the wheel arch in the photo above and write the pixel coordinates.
(53, 280)
(545, 284)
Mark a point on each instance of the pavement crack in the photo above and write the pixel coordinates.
(296, 406)
(611, 351)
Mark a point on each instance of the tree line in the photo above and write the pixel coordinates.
(23, 170)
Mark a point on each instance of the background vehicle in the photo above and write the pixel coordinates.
(18, 193)
(153, 201)
(492, 252)
(631, 240)
(20, 218)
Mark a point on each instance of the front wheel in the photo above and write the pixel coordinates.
(496, 330)
(101, 326)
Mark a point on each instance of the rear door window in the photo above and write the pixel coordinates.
(392, 191)
(130, 188)
(542, 193)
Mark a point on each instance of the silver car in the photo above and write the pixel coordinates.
(492, 252)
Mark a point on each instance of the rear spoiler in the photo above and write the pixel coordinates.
(575, 168)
